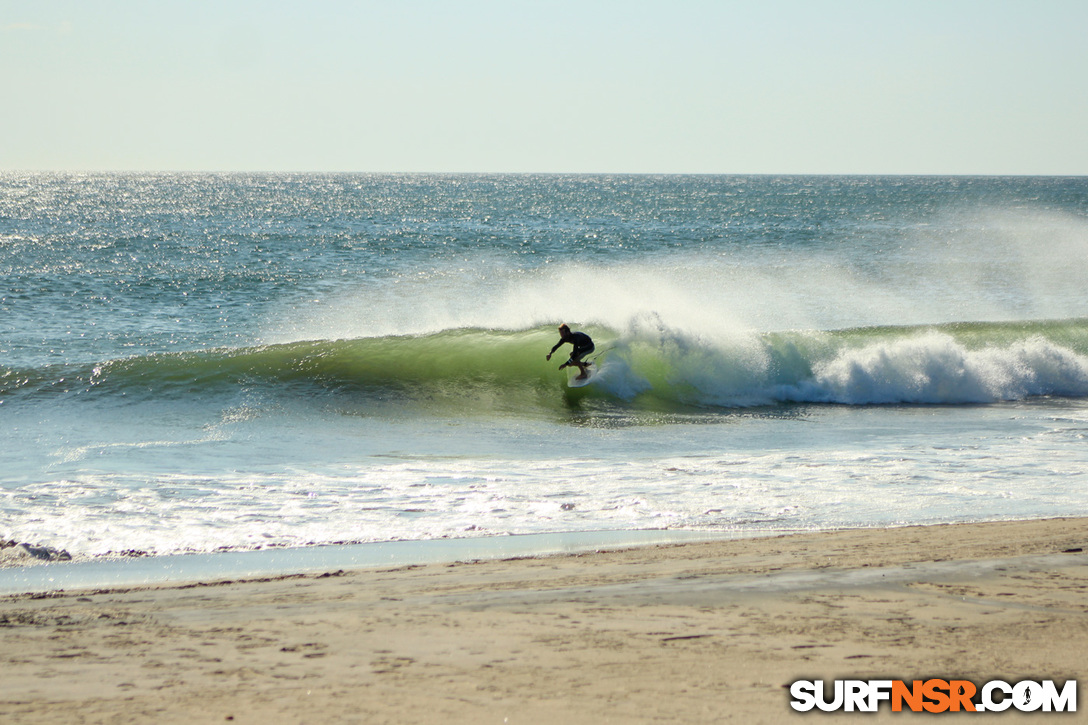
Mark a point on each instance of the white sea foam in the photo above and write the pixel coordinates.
(809, 486)
(934, 368)
(930, 367)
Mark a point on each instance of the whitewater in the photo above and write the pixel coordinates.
(223, 363)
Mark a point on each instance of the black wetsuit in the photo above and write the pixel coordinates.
(582, 343)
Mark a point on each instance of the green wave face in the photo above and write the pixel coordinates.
(643, 367)
(473, 368)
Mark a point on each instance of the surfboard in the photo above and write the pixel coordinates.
(572, 376)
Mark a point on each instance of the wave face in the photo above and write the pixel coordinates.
(646, 365)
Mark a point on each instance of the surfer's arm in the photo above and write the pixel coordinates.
(556, 347)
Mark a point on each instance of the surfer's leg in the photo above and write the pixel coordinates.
(583, 370)
(576, 359)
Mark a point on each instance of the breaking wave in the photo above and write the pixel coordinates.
(644, 365)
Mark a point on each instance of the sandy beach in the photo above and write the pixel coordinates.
(703, 632)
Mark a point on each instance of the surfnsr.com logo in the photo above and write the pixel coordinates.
(934, 695)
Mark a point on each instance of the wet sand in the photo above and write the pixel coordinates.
(701, 632)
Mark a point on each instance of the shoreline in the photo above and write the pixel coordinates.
(47, 569)
(181, 569)
(684, 632)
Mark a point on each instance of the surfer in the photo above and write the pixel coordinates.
(582, 344)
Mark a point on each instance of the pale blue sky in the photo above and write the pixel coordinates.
(765, 86)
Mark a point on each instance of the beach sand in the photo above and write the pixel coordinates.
(691, 633)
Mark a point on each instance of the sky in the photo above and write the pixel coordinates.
(556, 86)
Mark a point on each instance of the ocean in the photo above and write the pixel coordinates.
(202, 363)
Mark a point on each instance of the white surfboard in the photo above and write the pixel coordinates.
(573, 381)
